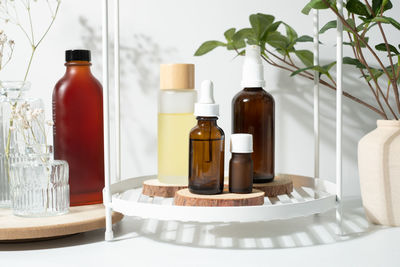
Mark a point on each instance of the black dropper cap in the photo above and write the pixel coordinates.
(78, 54)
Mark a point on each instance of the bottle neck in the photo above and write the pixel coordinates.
(253, 89)
(241, 155)
(207, 121)
(78, 67)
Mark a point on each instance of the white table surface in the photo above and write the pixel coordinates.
(309, 241)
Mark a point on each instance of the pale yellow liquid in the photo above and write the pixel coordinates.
(173, 147)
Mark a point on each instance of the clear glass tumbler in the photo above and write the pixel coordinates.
(39, 185)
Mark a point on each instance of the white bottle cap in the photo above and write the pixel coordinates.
(253, 69)
(206, 106)
(241, 143)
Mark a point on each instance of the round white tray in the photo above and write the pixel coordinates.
(309, 196)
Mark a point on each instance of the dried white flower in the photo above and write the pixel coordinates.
(49, 122)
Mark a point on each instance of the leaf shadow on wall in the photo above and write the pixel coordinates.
(140, 57)
(296, 99)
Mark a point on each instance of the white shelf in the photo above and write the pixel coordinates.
(309, 196)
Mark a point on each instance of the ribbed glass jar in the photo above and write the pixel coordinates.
(13, 143)
(39, 185)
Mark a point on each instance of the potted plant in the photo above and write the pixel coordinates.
(379, 66)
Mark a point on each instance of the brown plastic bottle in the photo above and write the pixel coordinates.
(241, 164)
(253, 112)
(78, 128)
(206, 148)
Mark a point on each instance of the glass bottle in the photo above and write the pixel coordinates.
(241, 164)
(78, 128)
(253, 112)
(175, 119)
(12, 143)
(206, 147)
(39, 185)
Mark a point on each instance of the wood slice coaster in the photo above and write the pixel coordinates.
(154, 188)
(281, 185)
(185, 198)
(79, 219)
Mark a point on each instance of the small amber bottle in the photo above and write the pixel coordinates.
(206, 146)
(241, 164)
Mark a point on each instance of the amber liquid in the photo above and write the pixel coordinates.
(78, 132)
(253, 112)
(206, 157)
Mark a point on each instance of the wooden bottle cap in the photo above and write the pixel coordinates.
(177, 76)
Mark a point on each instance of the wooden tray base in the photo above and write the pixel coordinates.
(184, 198)
(79, 219)
(281, 185)
(153, 188)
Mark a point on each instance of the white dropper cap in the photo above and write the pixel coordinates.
(241, 143)
(206, 106)
(253, 69)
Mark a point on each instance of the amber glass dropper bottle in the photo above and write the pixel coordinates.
(206, 146)
(253, 112)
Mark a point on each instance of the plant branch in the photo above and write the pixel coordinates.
(378, 88)
(288, 63)
(53, 18)
(344, 22)
(346, 94)
(358, 56)
(28, 9)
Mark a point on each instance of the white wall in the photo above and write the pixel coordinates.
(155, 32)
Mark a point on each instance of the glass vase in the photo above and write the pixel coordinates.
(12, 143)
(39, 184)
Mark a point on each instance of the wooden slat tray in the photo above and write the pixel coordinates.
(79, 219)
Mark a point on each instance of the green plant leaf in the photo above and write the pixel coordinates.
(305, 56)
(333, 24)
(271, 28)
(302, 70)
(304, 38)
(291, 34)
(327, 67)
(382, 47)
(246, 33)
(387, 20)
(354, 62)
(277, 40)
(259, 23)
(235, 45)
(377, 6)
(229, 34)
(207, 47)
(320, 69)
(329, 25)
(356, 7)
(315, 4)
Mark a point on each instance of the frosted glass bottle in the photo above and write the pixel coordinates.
(175, 120)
